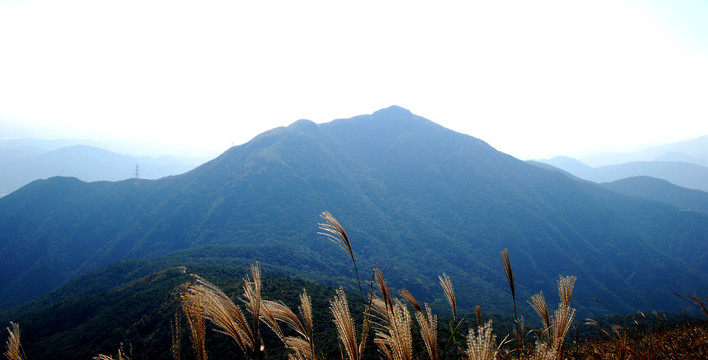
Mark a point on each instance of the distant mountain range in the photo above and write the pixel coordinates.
(417, 199)
(684, 174)
(23, 161)
(661, 190)
(694, 151)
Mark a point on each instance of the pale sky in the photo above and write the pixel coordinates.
(534, 79)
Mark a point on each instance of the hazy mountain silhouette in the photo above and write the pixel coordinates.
(24, 164)
(693, 151)
(417, 199)
(683, 174)
(661, 190)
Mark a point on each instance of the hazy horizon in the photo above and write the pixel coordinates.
(534, 80)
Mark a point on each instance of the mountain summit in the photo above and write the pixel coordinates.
(415, 198)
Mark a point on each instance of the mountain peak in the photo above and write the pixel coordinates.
(393, 110)
(303, 124)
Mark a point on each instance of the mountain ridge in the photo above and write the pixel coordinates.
(416, 198)
(684, 174)
(22, 165)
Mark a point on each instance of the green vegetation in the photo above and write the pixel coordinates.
(410, 190)
(138, 320)
(105, 263)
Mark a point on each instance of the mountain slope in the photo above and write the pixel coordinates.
(95, 314)
(417, 199)
(21, 166)
(683, 174)
(693, 151)
(661, 190)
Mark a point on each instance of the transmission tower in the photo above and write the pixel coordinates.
(137, 172)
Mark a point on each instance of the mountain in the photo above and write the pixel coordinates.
(693, 151)
(134, 303)
(24, 164)
(415, 198)
(661, 190)
(683, 174)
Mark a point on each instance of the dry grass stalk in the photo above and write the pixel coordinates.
(393, 330)
(221, 310)
(560, 324)
(345, 325)
(695, 298)
(305, 309)
(556, 327)
(566, 284)
(393, 336)
(253, 300)
(121, 355)
(478, 314)
(13, 347)
(192, 307)
(543, 352)
(538, 302)
(302, 345)
(429, 331)
(334, 231)
(411, 300)
(449, 291)
(509, 272)
(268, 312)
(482, 344)
(383, 287)
(428, 324)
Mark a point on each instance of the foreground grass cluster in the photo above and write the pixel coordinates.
(394, 327)
(386, 317)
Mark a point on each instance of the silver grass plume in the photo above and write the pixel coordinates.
(13, 348)
(482, 344)
(449, 291)
(429, 331)
(221, 310)
(334, 231)
(393, 329)
(428, 324)
(345, 325)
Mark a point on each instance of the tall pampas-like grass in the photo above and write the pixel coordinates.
(120, 356)
(346, 331)
(505, 262)
(558, 324)
(449, 291)
(302, 345)
(428, 323)
(13, 347)
(392, 331)
(702, 305)
(566, 285)
(253, 300)
(542, 351)
(564, 315)
(393, 334)
(538, 303)
(482, 344)
(192, 307)
(204, 300)
(345, 325)
(334, 231)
